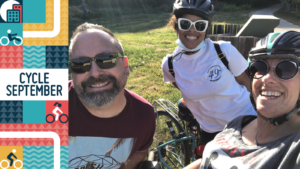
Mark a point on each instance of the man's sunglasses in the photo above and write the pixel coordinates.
(186, 24)
(284, 70)
(103, 61)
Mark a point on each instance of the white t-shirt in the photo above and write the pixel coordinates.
(208, 88)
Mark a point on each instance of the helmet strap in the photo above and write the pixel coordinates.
(279, 120)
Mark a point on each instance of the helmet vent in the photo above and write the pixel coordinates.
(202, 2)
(211, 7)
(274, 37)
(194, 2)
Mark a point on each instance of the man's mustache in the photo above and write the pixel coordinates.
(101, 79)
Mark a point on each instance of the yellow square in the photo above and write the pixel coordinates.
(15, 153)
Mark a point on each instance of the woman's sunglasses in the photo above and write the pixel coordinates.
(284, 70)
(103, 61)
(186, 24)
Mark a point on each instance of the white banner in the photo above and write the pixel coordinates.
(33, 84)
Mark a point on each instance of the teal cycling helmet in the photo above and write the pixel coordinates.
(284, 45)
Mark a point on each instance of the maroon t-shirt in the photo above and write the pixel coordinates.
(134, 127)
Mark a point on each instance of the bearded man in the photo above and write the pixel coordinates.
(109, 126)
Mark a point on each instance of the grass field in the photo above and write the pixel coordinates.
(146, 40)
(290, 17)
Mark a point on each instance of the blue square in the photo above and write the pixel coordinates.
(34, 111)
(34, 11)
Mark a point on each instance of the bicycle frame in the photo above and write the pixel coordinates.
(174, 141)
(170, 108)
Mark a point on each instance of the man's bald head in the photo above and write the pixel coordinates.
(94, 27)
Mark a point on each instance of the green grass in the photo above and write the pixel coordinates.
(146, 40)
(290, 17)
(145, 51)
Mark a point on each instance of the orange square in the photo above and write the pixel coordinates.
(57, 112)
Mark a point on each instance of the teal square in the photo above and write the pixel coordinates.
(34, 111)
(34, 11)
(15, 29)
(34, 57)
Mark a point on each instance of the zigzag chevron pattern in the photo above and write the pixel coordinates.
(11, 57)
(60, 129)
(11, 112)
(34, 57)
(57, 57)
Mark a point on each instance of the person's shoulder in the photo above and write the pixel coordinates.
(177, 50)
(235, 123)
(142, 106)
(137, 99)
(224, 44)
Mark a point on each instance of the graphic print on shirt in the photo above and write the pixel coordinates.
(212, 157)
(217, 158)
(231, 155)
(214, 73)
(99, 152)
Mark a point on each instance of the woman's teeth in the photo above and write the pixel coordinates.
(191, 37)
(100, 84)
(271, 93)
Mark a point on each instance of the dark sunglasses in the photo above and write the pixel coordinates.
(103, 61)
(186, 24)
(284, 70)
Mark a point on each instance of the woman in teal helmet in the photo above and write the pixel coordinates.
(272, 138)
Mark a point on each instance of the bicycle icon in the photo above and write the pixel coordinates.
(57, 116)
(11, 37)
(15, 164)
(9, 157)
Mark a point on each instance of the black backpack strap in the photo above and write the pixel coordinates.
(221, 56)
(170, 64)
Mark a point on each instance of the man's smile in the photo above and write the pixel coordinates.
(99, 86)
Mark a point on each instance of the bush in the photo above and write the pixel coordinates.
(227, 7)
(263, 3)
(246, 7)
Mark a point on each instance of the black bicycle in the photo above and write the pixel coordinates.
(175, 136)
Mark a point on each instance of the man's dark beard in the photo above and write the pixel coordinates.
(103, 97)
